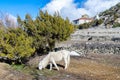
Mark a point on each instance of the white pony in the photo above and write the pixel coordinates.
(52, 57)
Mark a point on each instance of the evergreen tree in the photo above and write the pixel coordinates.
(46, 29)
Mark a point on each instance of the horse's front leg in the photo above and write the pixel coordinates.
(50, 66)
(54, 63)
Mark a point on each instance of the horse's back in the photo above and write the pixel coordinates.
(56, 55)
(59, 55)
(65, 52)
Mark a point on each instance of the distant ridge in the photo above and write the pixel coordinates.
(111, 17)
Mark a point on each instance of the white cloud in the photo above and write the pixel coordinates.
(12, 19)
(96, 6)
(58, 5)
(4, 17)
(67, 8)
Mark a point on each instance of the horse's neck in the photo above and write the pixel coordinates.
(46, 60)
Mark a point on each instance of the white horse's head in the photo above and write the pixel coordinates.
(40, 65)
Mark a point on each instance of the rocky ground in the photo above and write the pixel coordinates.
(86, 47)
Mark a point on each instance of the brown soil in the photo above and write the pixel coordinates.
(92, 67)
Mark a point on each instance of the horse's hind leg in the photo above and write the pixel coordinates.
(65, 60)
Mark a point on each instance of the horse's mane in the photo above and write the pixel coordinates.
(42, 57)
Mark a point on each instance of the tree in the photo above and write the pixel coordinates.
(46, 29)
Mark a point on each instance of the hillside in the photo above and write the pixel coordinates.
(111, 17)
(106, 19)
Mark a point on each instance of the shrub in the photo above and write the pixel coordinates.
(116, 24)
(15, 46)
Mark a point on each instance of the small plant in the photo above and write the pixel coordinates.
(18, 67)
(84, 26)
(88, 25)
(116, 25)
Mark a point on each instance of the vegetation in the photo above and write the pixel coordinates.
(46, 30)
(84, 26)
(116, 24)
(90, 24)
(17, 45)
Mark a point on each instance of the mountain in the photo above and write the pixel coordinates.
(111, 17)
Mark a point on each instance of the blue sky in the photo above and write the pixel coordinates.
(22, 7)
(67, 8)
